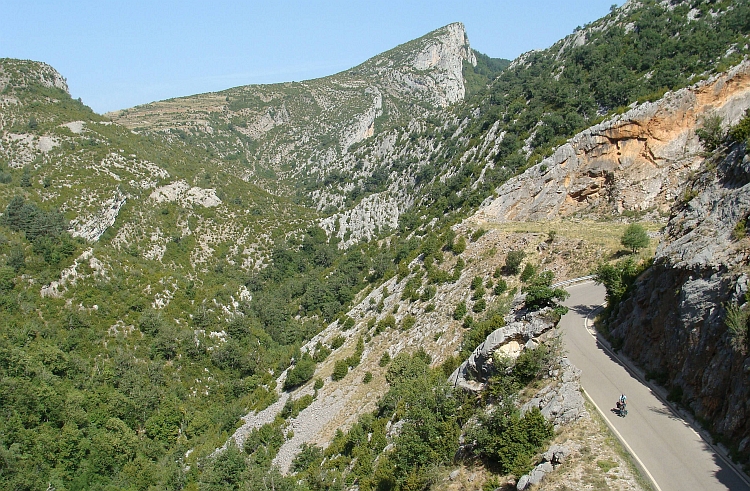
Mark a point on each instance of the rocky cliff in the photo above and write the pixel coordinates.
(673, 322)
(635, 161)
(296, 128)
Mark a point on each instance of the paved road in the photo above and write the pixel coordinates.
(669, 449)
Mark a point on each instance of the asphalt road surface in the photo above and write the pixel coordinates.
(673, 455)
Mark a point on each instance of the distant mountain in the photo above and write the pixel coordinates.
(168, 269)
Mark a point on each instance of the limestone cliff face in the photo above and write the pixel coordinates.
(438, 64)
(635, 161)
(673, 322)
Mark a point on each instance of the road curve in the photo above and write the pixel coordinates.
(671, 452)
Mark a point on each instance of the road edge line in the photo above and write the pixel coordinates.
(638, 462)
(689, 421)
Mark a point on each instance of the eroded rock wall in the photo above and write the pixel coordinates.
(673, 323)
(635, 161)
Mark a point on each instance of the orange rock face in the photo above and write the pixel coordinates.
(635, 161)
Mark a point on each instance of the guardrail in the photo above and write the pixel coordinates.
(573, 281)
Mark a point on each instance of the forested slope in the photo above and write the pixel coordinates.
(158, 277)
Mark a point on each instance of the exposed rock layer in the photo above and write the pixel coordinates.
(635, 161)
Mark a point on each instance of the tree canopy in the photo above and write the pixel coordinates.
(635, 237)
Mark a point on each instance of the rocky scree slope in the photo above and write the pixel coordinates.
(673, 322)
(144, 192)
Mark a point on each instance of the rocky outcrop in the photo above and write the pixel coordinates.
(636, 161)
(443, 54)
(556, 455)
(92, 227)
(363, 126)
(673, 322)
(526, 331)
(560, 401)
(25, 72)
(186, 195)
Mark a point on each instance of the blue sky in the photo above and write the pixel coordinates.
(117, 54)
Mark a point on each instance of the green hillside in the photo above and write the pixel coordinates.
(161, 266)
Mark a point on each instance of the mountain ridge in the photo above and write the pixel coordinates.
(222, 252)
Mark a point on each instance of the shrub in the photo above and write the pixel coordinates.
(292, 408)
(459, 245)
(7, 278)
(509, 440)
(635, 237)
(347, 323)
(740, 230)
(513, 261)
(389, 321)
(268, 438)
(337, 342)
(476, 282)
(528, 272)
(479, 305)
(308, 456)
(711, 135)
(385, 359)
(737, 320)
(460, 311)
(428, 293)
(303, 371)
(340, 369)
(477, 234)
(321, 352)
(500, 288)
(540, 294)
(367, 378)
(458, 269)
(408, 322)
(741, 131)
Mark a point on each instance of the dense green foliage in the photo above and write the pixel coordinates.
(130, 376)
(487, 69)
(430, 416)
(513, 261)
(509, 440)
(635, 237)
(617, 278)
(302, 371)
(540, 293)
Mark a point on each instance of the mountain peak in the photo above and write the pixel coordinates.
(433, 61)
(25, 73)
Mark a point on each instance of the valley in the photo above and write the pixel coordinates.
(271, 286)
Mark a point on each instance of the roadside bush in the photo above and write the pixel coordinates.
(540, 294)
(510, 441)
